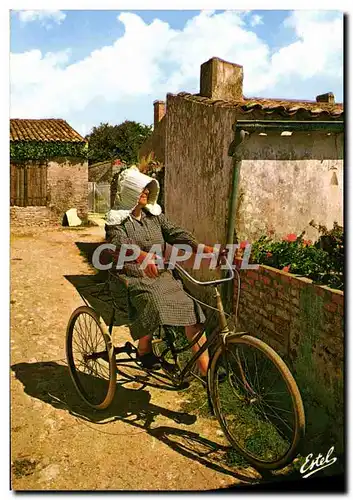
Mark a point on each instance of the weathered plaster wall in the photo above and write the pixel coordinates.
(198, 167)
(198, 175)
(156, 142)
(68, 186)
(286, 181)
(303, 322)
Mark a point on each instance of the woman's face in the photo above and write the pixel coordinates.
(144, 198)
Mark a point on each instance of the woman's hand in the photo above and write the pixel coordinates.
(208, 249)
(151, 269)
(220, 252)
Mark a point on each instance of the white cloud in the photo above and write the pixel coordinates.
(150, 60)
(318, 50)
(256, 20)
(45, 17)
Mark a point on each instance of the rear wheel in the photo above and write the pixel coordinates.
(90, 357)
(258, 405)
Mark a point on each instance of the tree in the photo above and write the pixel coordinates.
(123, 141)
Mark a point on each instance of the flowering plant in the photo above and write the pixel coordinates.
(321, 261)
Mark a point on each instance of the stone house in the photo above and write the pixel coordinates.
(48, 171)
(274, 164)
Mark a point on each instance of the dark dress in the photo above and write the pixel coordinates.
(154, 301)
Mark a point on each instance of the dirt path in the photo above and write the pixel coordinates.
(139, 442)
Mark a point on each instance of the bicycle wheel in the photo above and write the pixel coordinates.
(258, 406)
(91, 359)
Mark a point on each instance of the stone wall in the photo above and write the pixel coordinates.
(68, 186)
(32, 216)
(304, 323)
(156, 142)
(198, 167)
(285, 181)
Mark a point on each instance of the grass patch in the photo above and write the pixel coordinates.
(196, 401)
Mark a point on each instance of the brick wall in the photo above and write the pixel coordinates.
(68, 186)
(303, 322)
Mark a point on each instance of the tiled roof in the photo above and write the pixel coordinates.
(48, 130)
(266, 107)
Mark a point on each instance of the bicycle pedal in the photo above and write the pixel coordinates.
(157, 341)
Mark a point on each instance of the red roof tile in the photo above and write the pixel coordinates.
(48, 130)
(263, 106)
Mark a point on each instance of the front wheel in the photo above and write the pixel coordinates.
(258, 405)
(91, 359)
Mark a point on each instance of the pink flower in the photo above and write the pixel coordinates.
(286, 269)
(307, 242)
(269, 254)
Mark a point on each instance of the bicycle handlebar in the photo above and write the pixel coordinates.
(205, 283)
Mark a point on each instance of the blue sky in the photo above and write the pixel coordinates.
(96, 66)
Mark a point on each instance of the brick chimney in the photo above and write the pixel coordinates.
(159, 111)
(328, 97)
(221, 80)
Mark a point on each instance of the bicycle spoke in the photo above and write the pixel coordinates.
(275, 414)
(263, 428)
(92, 374)
(81, 337)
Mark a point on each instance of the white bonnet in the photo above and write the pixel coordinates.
(131, 183)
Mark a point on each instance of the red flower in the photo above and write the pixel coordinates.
(286, 269)
(291, 237)
(269, 254)
(243, 244)
(307, 242)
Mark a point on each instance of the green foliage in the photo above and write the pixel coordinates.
(35, 150)
(117, 141)
(322, 261)
(332, 242)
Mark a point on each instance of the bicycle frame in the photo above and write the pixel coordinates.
(214, 337)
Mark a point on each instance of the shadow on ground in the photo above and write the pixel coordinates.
(51, 383)
(87, 249)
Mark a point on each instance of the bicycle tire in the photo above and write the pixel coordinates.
(275, 359)
(105, 400)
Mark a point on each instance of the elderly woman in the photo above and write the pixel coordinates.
(155, 296)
